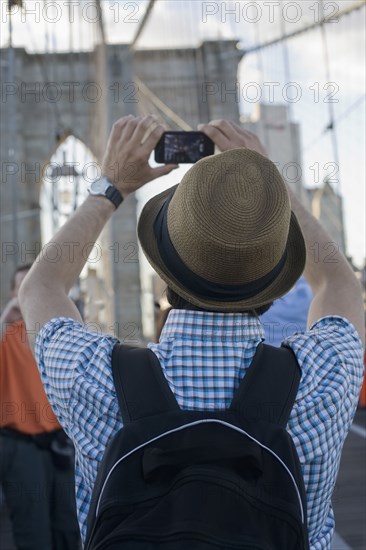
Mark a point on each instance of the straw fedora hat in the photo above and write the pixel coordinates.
(225, 238)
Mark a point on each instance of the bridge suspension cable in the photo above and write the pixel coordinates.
(331, 125)
(341, 13)
(161, 106)
(143, 23)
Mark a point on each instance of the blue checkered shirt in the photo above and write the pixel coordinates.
(204, 356)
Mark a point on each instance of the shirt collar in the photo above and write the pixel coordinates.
(207, 325)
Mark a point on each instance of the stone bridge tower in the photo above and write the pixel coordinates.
(88, 92)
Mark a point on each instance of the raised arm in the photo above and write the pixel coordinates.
(44, 292)
(335, 287)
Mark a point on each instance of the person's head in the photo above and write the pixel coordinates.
(177, 302)
(18, 277)
(225, 238)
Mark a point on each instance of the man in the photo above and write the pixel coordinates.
(227, 244)
(36, 474)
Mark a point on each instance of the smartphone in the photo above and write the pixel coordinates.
(183, 147)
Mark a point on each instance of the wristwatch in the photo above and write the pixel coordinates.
(103, 187)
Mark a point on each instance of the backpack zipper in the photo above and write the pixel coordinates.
(233, 427)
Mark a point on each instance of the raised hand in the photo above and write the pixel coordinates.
(126, 161)
(229, 135)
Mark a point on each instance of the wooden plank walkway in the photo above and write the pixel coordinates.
(349, 499)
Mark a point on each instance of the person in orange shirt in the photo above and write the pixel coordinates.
(36, 466)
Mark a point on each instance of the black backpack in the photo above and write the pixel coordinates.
(190, 480)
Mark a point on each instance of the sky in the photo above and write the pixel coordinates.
(178, 23)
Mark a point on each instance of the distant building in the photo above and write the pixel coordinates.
(327, 207)
(281, 138)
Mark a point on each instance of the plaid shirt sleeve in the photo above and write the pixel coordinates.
(75, 367)
(331, 359)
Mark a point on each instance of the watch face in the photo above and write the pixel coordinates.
(99, 187)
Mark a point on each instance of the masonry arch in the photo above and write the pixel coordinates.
(66, 176)
(50, 110)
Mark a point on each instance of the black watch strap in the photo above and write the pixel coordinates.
(114, 195)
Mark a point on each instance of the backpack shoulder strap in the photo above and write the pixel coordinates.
(269, 387)
(141, 387)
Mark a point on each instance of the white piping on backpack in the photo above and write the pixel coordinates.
(194, 424)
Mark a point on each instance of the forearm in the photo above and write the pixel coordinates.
(44, 292)
(335, 287)
(63, 258)
(324, 259)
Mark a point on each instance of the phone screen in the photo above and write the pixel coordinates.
(183, 147)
